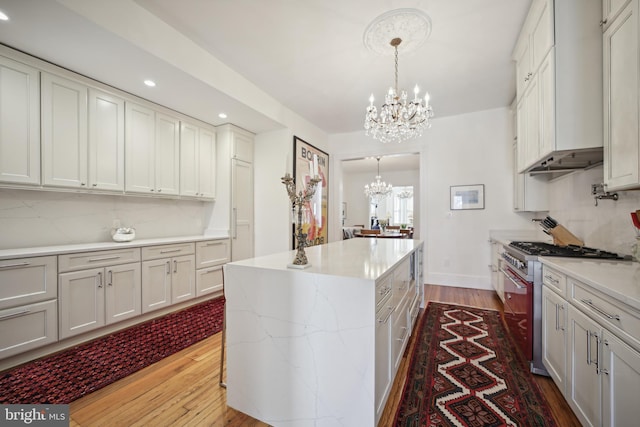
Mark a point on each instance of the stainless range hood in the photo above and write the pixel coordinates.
(561, 163)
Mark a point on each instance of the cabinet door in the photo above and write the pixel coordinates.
(183, 281)
(123, 291)
(522, 135)
(532, 111)
(139, 149)
(19, 123)
(523, 68)
(620, 382)
(621, 135)
(554, 337)
(189, 161)
(241, 210)
(583, 382)
(81, 301)
(242, 147)
(156, 284)
(106, 141)
(547, 105)
(167, 176)
(383, 359)
(542, 34)
(207, 163)
(209, 280)
(611, 8)
(64, 132)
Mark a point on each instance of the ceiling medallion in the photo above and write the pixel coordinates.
(399, 119)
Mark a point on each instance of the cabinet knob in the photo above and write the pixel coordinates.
(83, 183)
(95, 185)
(160, 190)
(603, 22)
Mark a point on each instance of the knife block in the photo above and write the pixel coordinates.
(563, 237)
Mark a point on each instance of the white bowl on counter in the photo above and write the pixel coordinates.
(123, 234)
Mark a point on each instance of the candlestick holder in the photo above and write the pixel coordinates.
(297, 202)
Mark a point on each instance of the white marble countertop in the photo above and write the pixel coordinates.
(618, 279)
(357, 258)
(98, 246)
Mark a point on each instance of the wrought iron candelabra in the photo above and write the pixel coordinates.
(297, 202)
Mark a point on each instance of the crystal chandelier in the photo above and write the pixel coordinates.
(400, 119)
(405, 194)
(377, 189)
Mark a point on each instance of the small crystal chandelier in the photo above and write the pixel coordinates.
(377, 189)
(399, 119)
(405, 194)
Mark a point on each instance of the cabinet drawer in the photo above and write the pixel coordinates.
(383, 291)
(167, 251)
(209, 280)
(85, 260)
(27, 280)
(28, 327)
(211, 253)
(555, 280)
(612, 314)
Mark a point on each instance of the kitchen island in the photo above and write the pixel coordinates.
(320, 346)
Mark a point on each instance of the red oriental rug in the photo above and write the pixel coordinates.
(64, 377)
(465, 370)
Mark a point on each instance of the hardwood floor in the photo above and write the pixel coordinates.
(182, 389)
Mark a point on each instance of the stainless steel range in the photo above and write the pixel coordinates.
(522, 281)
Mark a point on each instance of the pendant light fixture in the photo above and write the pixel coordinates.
(378, 189)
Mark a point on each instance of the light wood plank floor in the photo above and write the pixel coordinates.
(182, 389)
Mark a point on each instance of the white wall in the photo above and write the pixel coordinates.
(41, 218)
(467, 149)
(607, 226)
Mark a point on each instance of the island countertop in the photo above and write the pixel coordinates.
(355, 258)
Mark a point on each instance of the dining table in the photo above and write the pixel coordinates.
(385, 235)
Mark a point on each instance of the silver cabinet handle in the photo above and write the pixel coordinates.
(235, 223)
(406, 332)
(175, 266)
(110, 282)
(605, 371)
(16, 314)
(557, 317)
(99, 279)
(599, 310)
(104, 258)
(588, 347)
(391, 310)
(20, 264)
(168, 269)
(551, 279)
(213, 243)
(168, 251)
(563, 325)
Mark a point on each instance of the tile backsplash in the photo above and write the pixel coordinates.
(44, 218)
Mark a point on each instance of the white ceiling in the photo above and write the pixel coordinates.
(307, 55)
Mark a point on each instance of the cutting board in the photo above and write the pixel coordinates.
(563, 237)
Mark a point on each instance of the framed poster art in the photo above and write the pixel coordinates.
(314, 222)
(467, 197)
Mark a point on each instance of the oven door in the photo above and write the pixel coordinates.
(518, 309)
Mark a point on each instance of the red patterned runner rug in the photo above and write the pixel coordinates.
(465, 371)
(64, 377)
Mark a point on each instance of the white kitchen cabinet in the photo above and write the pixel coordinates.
(496, 250)
(98, 289)
(621, 53)
(106, 141)
(241, 210)
(564, 60)
(64, 132)
(210, 257)
(197, 160)
(620, 373)
(554, 336)
(611, 9)
(152, 151)
(19, 123)
(584, 389)
(168, 275)
(28, 304)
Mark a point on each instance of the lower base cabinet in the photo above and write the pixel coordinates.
(27, 327)
(554, 337)
(90, 299)
(167, 281)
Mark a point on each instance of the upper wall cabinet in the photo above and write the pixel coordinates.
(152, 151)
(82, 136)
(19, 123)
(558, 66)
(197, 160)
(621, 49)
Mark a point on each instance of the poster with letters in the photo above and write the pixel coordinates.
(308, 159)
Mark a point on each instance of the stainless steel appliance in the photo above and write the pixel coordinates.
(522, 281)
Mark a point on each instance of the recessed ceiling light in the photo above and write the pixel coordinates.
(150, 83)
(222, 115)
(3, 16)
